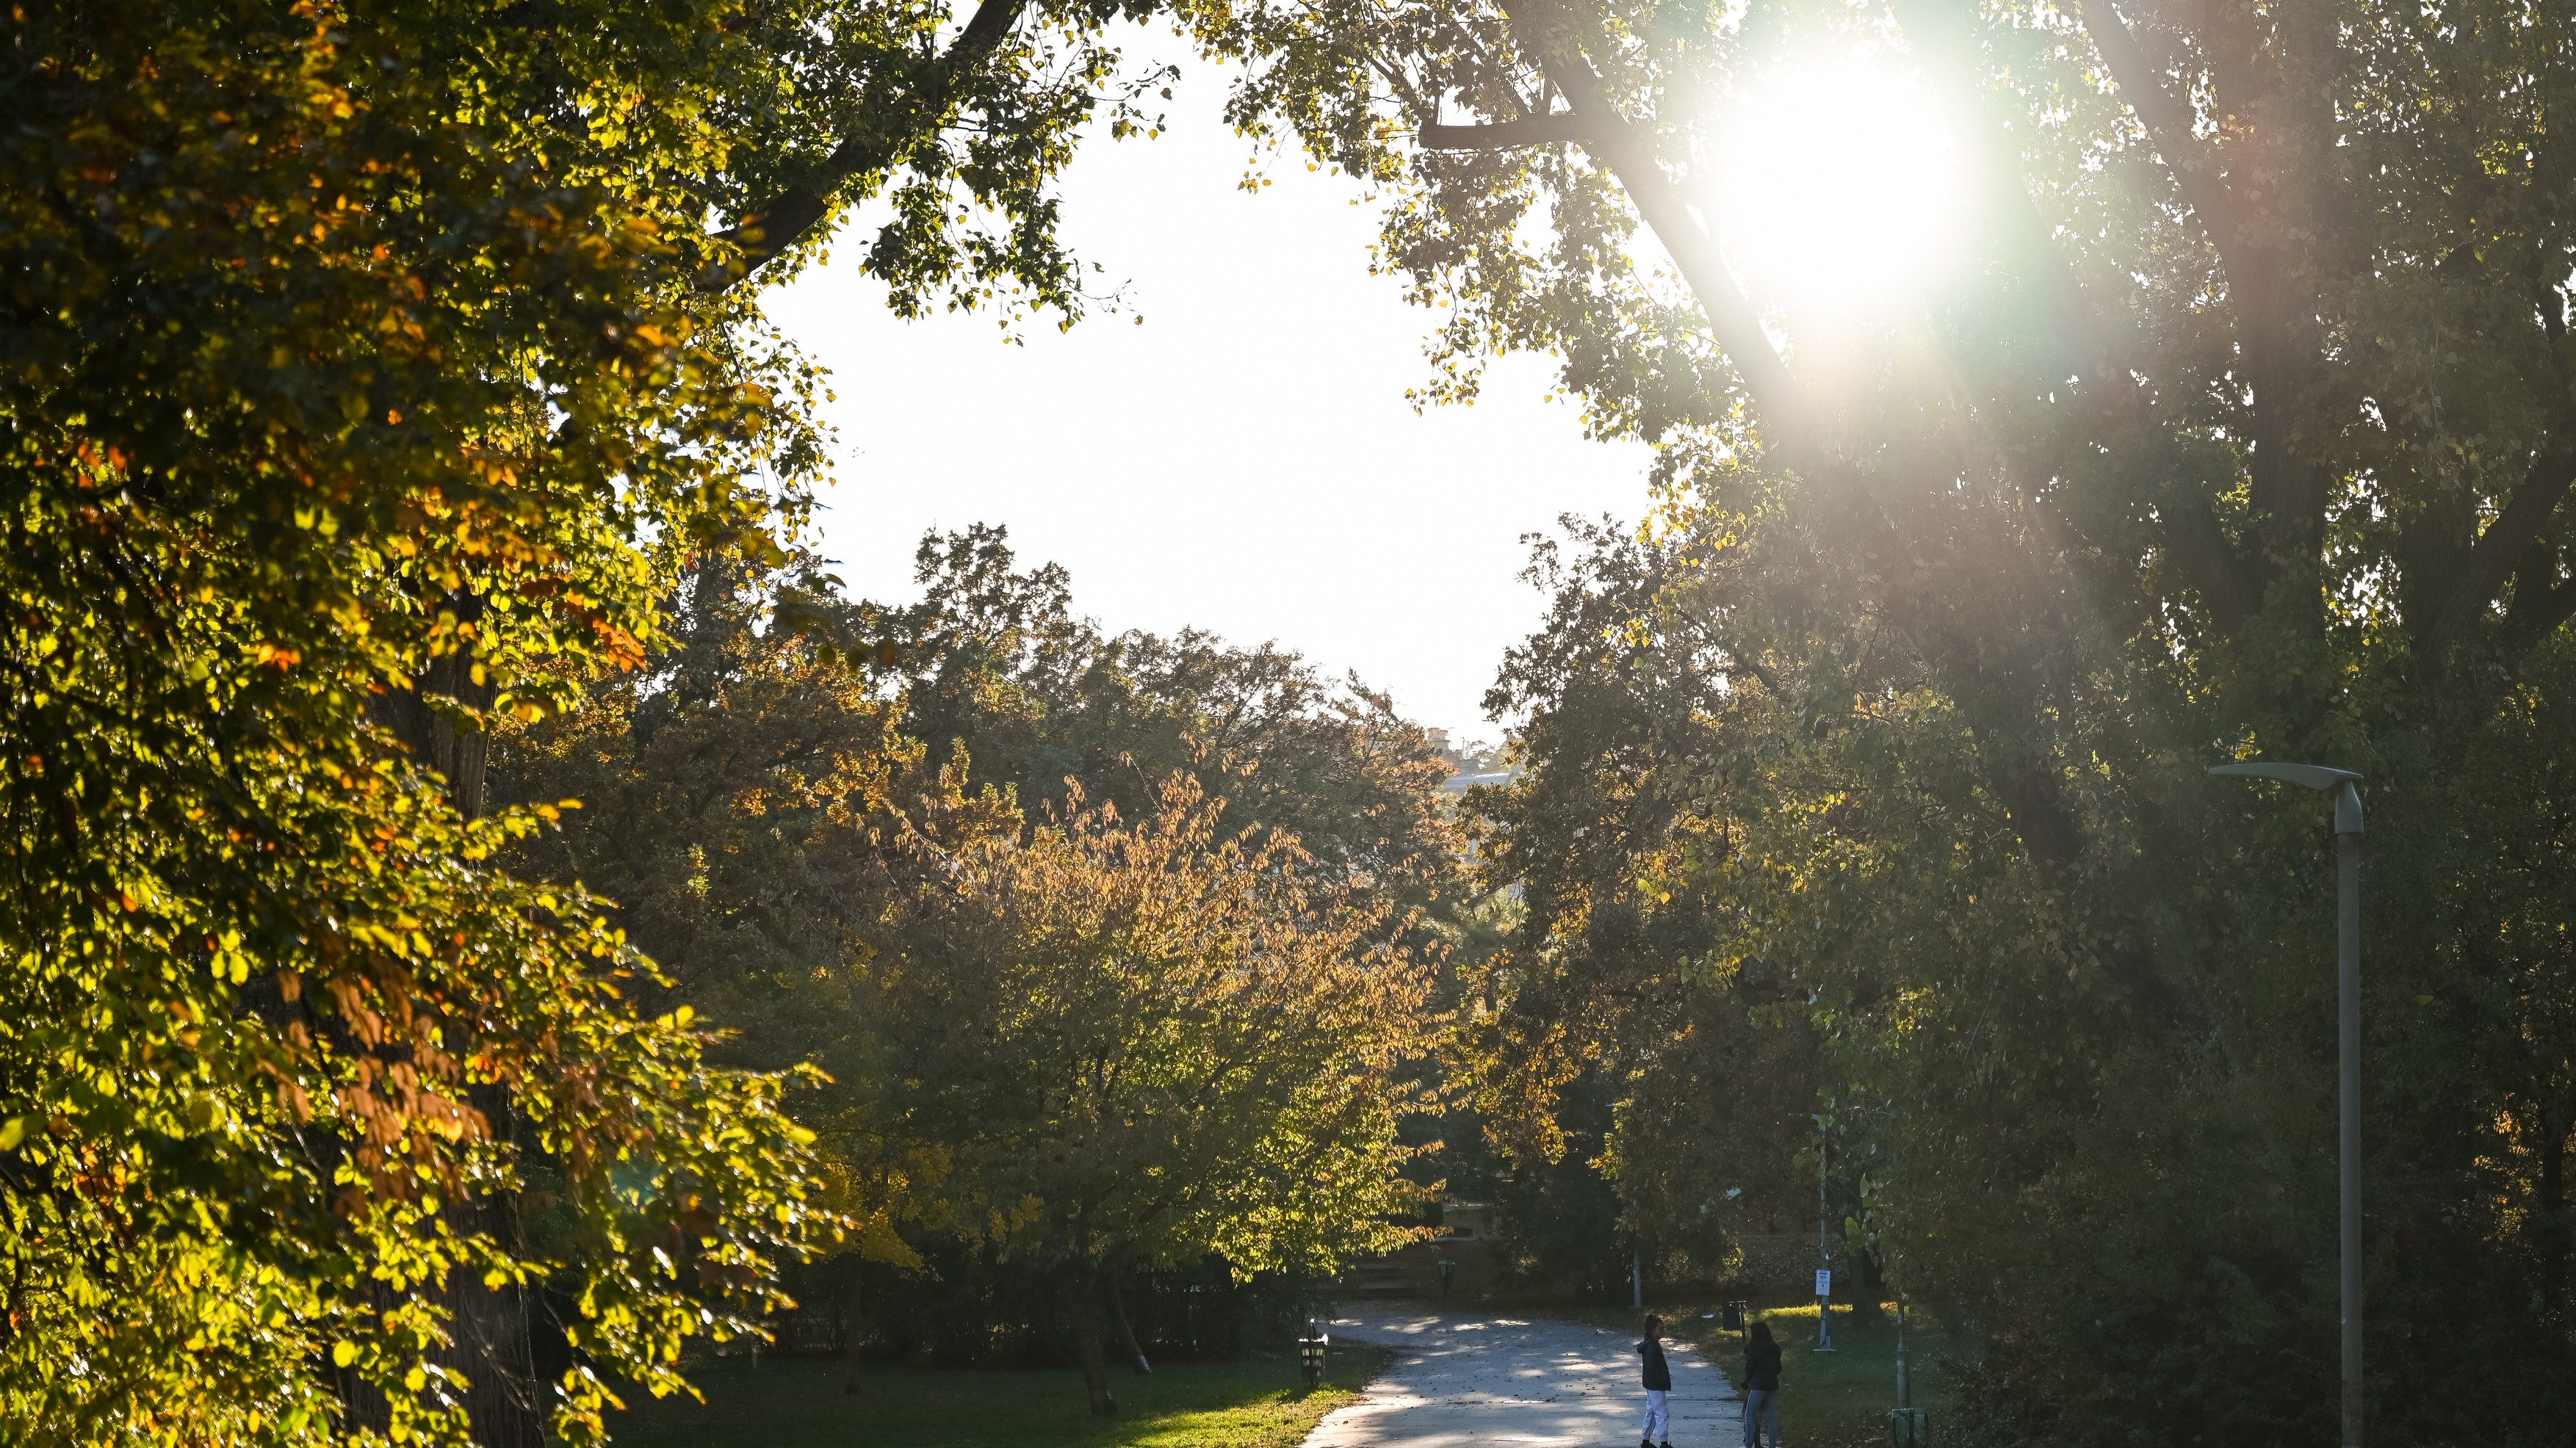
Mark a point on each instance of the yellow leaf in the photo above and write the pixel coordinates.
(343, 1354)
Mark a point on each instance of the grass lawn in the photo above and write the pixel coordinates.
(796, 1403)
(1827, 1400)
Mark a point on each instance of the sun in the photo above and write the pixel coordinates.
(1836, 189)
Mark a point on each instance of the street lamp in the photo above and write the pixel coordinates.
(1824, 1244)
(1312, 1343)
(2347, 793)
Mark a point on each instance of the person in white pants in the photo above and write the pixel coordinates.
(1659, 1381)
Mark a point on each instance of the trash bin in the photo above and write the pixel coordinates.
(1310, 1356)
(1448, 1275)
(1907, 1428)
(1732, 1317)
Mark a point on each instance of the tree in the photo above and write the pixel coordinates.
(371, 368)
(745, 789)
(997, 659)
(735, 791)
(759, 794)
(2112, 1140)
(739, 789)
(1147, 1043)
(1606, 991)
(2243, 433)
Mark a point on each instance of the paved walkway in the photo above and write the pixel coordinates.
(1471, 1379)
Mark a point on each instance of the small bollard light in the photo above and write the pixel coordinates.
(1310, 1351)
(1908, 1428)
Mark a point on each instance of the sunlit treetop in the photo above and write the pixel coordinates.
(2232, 330)
(370, 369)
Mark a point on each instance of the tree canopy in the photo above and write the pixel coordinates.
(2241, 433)
(381, 376)
(1119, 950)
(370, 370)
(1143, 1043)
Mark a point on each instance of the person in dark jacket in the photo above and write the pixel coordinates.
(1761, 1386)
(1659, 1381)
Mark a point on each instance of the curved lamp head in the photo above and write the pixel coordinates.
(2310, 776)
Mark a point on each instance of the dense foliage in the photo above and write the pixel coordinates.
(376, 374)
(368, 370)
(1117, 949)
(2244, 430)
(1144, 1044)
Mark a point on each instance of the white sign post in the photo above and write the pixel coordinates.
(1824, 1282)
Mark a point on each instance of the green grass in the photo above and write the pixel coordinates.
(797, 1403)
(1827, 1400)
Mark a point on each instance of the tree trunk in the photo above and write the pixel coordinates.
(1126, 1333)
(1869, 1286)
(850, 1320)
(492, 1343)
(1082, 1299)
(2557, 1219)
(460, 758)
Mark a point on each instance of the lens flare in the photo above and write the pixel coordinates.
(1837, 189)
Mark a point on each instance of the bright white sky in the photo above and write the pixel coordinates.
(1244, 461)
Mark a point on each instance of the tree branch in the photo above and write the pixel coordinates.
(1504, 135)
(793, 214)
(2031, 793)
(1631, 156)
(2533, 622)
(2168, 126)
(2101, 343)
(2289, 492)
(1770, 681)
(2502, 545)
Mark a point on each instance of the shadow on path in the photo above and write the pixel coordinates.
(1469, 1378)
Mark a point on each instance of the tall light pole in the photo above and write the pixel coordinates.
(2347, 793)
(1824, 1245)
(1893, 1259)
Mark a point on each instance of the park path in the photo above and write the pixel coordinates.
(1469, 1379)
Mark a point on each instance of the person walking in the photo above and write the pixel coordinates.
(1761, 1386)
(1659, 1381)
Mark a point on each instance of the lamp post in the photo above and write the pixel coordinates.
(1824, 1244)
(1311, 1345)
(1906, 1425)
(2347, 793)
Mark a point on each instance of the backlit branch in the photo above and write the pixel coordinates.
(1505, 135)
(2106, 341)
(2030, 794)
(2288, 490)
(2503, 544)
(772, 228)
(1631, 156)
(2168, 125)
